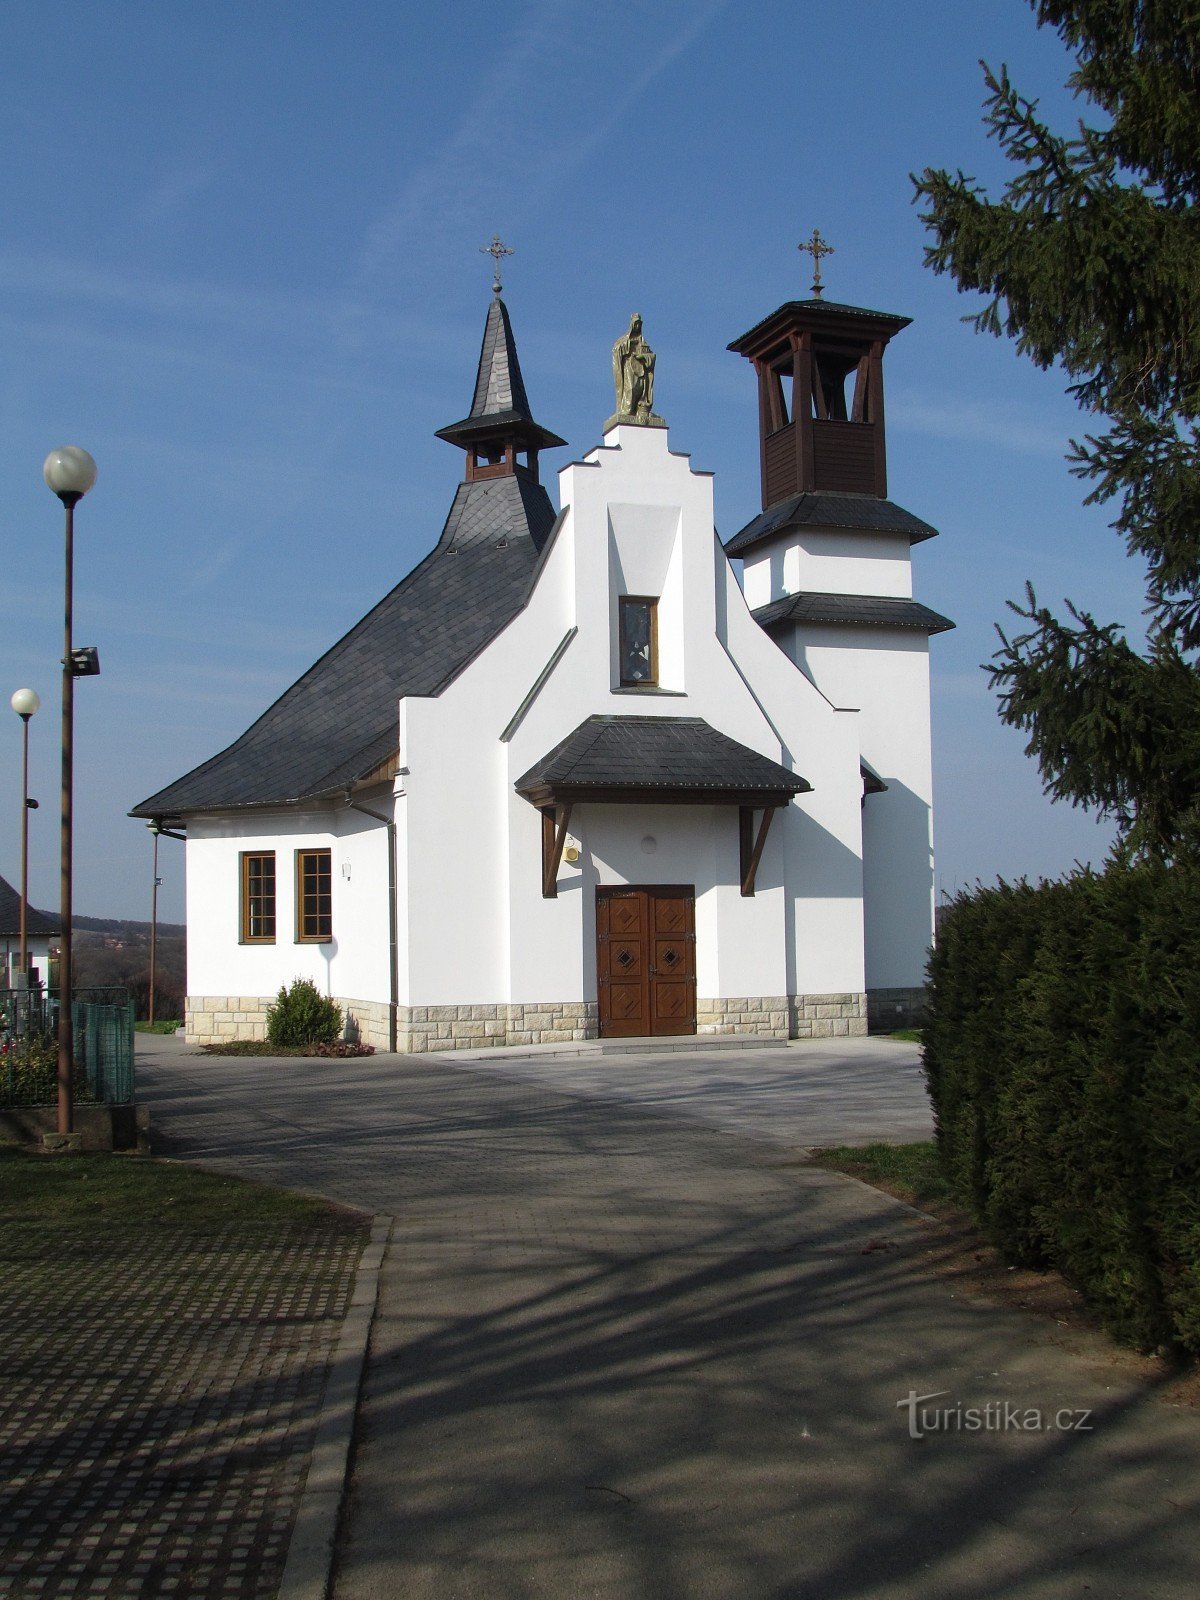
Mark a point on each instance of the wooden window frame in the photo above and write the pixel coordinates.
(322, 936)
(247, 937)
(650, 600)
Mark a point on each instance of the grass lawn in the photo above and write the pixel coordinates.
(44, 1190)
(908, 1171)
(158, 1027)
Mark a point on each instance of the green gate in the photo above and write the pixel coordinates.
(102, 1022)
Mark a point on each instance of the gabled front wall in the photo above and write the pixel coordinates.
(639, 518)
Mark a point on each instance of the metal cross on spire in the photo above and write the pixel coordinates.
(496, 250)
(817, 248)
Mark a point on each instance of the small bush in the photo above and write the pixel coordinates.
(301, 1016)
(29, 1072)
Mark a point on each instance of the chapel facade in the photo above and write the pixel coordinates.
(570, 777)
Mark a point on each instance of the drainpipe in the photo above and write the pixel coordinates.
(393, 954)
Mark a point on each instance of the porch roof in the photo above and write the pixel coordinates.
(660, 760)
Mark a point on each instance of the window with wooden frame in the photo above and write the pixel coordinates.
(314, 896)
(258, 897)
(638, 641)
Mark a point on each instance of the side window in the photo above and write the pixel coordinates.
(258, 897)
(638, 643)
(314, 896)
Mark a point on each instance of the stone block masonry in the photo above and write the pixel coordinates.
(765, 1015)
(478, 1027)
(216, 1019)
(828, 1016)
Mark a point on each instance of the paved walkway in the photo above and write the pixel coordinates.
(631, 1351)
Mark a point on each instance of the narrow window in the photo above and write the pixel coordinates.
(258, 897)
(638, 642)
(314, 895)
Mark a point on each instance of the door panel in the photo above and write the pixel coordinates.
(646, 960)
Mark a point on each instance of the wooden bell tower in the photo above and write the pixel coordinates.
(820, 398)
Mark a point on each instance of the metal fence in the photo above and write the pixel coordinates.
(103, 1032)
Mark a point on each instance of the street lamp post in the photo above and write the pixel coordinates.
(69, 473)
(25, 702)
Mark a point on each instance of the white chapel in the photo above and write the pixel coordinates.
(571, 778)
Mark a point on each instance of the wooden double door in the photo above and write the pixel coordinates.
(646, 960)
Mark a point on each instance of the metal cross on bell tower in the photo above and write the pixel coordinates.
(496, 250)
(816, 248)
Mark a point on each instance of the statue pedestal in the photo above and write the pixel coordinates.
(619, 421)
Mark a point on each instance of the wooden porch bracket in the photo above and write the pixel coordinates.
(555, 820)
(751, 844)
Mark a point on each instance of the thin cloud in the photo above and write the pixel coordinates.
(973, 420)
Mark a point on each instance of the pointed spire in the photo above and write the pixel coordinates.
(499, 386)
(500, 422)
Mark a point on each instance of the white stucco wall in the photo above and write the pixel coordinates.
(37, 946)
(219, 964)
(827, 561)
(884, 672)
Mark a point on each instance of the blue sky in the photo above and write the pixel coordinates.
(239, 263)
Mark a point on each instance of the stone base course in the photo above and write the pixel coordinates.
(766, 1015)
(212, 1019)
(894, 1008)
(217, 1018)
(478, 1027)
(828, 1016)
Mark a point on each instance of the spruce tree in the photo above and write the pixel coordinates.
(1091, 258)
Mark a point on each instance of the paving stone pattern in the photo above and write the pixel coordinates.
(158, 1401)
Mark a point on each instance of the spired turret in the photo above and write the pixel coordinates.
(499, 435)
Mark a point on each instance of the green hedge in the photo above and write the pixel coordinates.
(1062, 1050)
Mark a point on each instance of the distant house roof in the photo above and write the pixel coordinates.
(36, 922)
(867, 610)
(860, 513)
(656, 758)
(339, 723)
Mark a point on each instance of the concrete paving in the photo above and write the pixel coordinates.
(642, 1350)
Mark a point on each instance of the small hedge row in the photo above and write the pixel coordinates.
(1062, 1050)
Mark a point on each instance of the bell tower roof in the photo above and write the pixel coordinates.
(500, 424)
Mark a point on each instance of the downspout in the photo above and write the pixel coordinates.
(393, 954)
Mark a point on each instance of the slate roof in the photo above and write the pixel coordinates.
(868, 609)
(36, 922)
(500, 402)
(826, 508)
(635, 757)
(340, 720)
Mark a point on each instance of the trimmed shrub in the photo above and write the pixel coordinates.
(1062, 1051)
(302, 1015)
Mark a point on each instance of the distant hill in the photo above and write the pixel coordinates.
(126, 929)
(116, 951)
